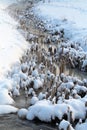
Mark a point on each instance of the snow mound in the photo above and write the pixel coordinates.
(82, 126)
(6, 83)
(6, 109)
(41, 96)
(22, 113)
(77, 106)
(37, 83)
(34, 100)
(65, 125)
(5, 97)
(44, 110)
(35, 73)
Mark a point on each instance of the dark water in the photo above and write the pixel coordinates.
(12, 122)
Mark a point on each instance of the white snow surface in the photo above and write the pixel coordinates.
(12, 43)
(43, 110)
(22, 113)
(5, 98)
(68, 14)
(38, 83)
(12, 46)
(6, 109)
(46, 111)
(34, 99)
(64, 124)
(6, 3)
(82, 126)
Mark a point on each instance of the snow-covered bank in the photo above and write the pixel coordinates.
(12, 44)
(6, 109)
(72, 17)
(12, 47)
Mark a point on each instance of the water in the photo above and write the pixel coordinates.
(11, 122)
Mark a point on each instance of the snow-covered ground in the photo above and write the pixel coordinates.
(12, 46)
(6, 3)
(70, 15)
(12, 43)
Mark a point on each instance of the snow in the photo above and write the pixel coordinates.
(77, 107)
(64, 125)
(22, 113)
(68, 85)
(80, 88)
(30, 91)
(5, 98)
(34, 99)
(60, 110)
(82, 126)
(38, 83)
(42, 110)
(46, 111)
(70, 15)
(6, 109)
(35, 73)
(6, 83)
(12, 43)
(41, 96)
(12, 47)
(6, 3)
